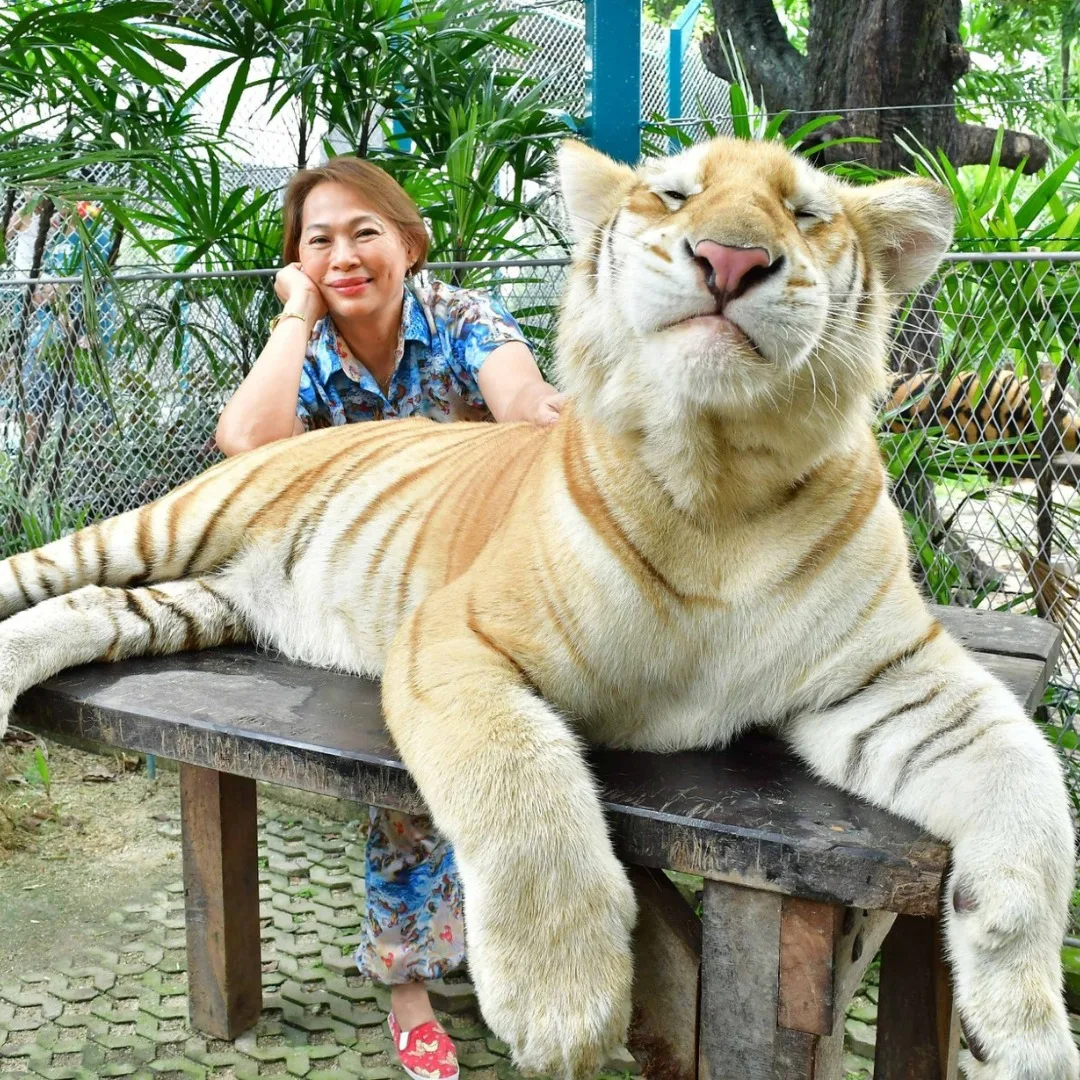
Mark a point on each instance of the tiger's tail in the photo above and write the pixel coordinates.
(101, 623)
(163, 541)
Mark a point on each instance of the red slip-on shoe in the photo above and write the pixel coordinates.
(426, 1052)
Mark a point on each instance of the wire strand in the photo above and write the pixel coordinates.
(843, 111)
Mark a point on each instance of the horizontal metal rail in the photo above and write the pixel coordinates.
(951, 258)
(205, 275)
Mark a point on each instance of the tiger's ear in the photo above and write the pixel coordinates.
(592, 185)
(906, 225)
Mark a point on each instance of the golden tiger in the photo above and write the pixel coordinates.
(703, 543)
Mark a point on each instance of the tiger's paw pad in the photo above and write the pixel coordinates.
(993, 918)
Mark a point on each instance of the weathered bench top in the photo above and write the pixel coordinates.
(751, 814)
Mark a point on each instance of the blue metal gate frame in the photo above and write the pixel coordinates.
(613, 77)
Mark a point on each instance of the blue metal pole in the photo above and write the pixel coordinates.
(397, 131)
(674, 81)
(613, 77)
(678, 42)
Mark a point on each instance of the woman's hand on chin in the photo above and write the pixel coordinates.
(298, 293)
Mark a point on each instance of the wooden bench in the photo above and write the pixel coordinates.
(802, 882)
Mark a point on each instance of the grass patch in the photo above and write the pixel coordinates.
(25, 795)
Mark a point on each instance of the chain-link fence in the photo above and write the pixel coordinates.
(982, 438)
(109, 395)
(981, 431)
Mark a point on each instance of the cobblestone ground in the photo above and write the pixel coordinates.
(860, 1030)
(120, 1008)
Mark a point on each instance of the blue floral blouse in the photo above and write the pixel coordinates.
(446, 335)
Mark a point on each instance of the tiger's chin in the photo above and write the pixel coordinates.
(704, 376)
(711, 360)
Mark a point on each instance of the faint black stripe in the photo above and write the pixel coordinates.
(951, 722)
(858, 748)
(134, 605)
(952, 751)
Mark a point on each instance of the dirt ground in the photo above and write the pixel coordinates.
(104, 836)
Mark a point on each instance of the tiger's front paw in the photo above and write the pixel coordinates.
(1004, 931)
(553, 967)
(1050, 1055)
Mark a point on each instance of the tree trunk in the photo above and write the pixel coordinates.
(773, 65)
(15, 349)
(15, 343)
(917, 337)
(114, 246)
(913, 493)
(302, 137)
(9, 209)
(864, 54)
(887, 66)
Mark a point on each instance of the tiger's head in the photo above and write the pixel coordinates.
(736, 279)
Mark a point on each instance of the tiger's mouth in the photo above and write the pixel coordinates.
(722, 324)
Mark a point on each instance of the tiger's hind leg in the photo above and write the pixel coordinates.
(105, 623)
(935, 738)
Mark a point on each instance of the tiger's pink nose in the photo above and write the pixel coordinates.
(728, 265)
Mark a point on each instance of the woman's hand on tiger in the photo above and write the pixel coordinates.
(549, 408)
(540, 404)
(298, 293)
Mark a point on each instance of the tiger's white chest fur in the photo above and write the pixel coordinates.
(746, 649)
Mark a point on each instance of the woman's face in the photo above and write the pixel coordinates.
(354, 255)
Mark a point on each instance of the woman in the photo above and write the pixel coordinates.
(356, 340)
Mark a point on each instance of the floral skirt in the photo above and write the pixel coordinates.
(415, 928)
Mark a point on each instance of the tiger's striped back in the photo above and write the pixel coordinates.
(281, 496)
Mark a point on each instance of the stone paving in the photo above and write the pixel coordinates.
(120, 1010)
(860, 1032)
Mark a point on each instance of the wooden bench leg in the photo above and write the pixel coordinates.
(918, 1031)
(221, 892)
(824, 953)
(740, 961)
(777, 975)
(667, 963)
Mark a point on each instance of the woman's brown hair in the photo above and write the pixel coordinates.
(375, 186)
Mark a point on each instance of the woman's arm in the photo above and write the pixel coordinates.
(263, 408)
(514, 389)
